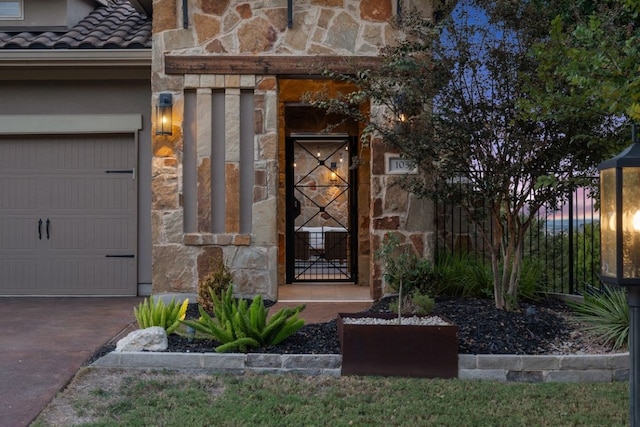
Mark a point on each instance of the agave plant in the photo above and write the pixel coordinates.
(239, 326)
(155, 313)
(607, 315)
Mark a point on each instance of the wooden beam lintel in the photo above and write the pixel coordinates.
(268, 65)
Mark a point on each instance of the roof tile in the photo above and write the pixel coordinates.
(117, 26)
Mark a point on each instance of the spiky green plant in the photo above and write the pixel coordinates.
(239, 326)
(155, 313)
(606, 315)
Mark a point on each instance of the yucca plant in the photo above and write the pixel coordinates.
(607, 315)
(155, 313)
(239, 326)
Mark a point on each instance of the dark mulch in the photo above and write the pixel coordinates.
(482, 329)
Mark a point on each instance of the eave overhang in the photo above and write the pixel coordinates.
(89, 58)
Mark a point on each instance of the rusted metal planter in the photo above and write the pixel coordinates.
(398, 350)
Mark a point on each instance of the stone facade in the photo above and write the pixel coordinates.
(254, 34)
(393, 210)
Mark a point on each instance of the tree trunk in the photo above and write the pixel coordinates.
(516, 273)
(506, 262)
(496, 258)
(495, 269)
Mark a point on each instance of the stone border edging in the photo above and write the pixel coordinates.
(235, 363)
(553, 368)
(512, 368)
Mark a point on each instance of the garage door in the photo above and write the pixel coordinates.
(68, 215)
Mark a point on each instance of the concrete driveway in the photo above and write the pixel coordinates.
(43, 343)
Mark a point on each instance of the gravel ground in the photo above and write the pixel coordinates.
(482, 329)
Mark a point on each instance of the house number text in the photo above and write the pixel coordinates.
(397, 165)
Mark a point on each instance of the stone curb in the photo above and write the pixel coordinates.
(511, 368)
(555, 368)
(234, 363)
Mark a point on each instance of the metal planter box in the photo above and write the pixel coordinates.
(398, 350)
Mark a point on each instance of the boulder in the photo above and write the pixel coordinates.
(149, 339)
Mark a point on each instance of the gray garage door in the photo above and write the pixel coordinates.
(68, 215)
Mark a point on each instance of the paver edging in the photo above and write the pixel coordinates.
(547, 368)
(517, 368)
(309, 364)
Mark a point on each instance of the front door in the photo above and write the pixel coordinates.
(321, 209)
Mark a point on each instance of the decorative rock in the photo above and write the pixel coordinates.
(149, 339)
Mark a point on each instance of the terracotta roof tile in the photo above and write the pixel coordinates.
(117, 26)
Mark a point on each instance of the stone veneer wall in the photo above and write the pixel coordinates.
(396, 211)
(255, 29)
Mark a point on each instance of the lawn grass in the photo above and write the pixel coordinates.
(168, 398)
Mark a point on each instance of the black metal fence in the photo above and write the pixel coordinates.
(562, 246)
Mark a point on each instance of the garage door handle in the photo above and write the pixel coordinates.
(131, 171)
(40, 229)
(48, 222)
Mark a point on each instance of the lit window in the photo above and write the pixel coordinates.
(10, 9)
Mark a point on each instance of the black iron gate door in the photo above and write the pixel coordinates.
(321, 209)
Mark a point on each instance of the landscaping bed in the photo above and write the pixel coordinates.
(482, 329)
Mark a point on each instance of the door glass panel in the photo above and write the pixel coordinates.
(320, 210)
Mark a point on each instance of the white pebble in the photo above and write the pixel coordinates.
(413, 320)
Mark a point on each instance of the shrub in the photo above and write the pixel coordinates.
(217, 282)
(607, 315)
(463, 275)
(468, 275)
(531, 282)
(415, 303)
(239, 326)
(477, 278)
(155, 313)
(403, 265)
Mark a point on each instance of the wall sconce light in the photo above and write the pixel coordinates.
(164, 114)
(333, 177)
(401, 107)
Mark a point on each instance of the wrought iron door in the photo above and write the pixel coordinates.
(321, 209)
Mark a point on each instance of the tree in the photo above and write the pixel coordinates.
(594, 52)
(453, 98)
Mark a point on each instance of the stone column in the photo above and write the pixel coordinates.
(203, 144)
(232, 158)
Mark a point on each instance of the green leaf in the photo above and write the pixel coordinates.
(272, 329)
(237, 345)
(607, 316)
(289, 329)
